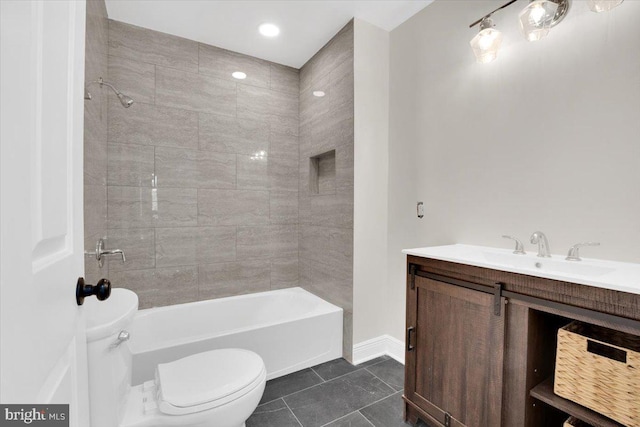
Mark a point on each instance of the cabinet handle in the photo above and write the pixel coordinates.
(409, 346)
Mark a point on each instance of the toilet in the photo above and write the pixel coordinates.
(217, 388)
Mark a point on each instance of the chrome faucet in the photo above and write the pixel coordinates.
(543, 244)
(574, 251)
(519, 250)
(100, 253)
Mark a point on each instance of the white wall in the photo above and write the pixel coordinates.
(371, 146)
(547, 137)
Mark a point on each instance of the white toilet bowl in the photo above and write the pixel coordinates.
(218, 388)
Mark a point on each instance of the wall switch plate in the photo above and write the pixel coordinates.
(420, 209)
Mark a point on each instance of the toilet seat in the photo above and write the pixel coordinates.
(207, 380)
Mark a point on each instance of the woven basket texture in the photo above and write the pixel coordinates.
(605, 379)
(574, 422)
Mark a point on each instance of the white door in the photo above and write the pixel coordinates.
(42, 342)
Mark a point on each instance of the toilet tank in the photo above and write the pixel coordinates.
(109, 356)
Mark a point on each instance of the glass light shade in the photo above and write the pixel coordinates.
(535, 19)
(603, 5)
(486, 44)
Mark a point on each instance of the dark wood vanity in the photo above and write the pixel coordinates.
(481, 344)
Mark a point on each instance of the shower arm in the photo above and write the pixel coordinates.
(101, 82)
(124, 99)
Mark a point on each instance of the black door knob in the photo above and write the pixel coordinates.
(101, 290)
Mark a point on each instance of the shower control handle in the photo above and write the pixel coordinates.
(101, 252)
(101, 290)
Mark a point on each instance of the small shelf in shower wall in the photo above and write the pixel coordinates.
(322, 173)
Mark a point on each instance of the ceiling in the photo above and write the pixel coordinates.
(305, 26)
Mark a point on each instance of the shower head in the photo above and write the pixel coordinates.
(124, 99)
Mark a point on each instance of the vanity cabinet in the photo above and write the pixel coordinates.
(481, 344)
(455, 344)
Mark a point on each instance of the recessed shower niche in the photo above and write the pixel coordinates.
(322, 173)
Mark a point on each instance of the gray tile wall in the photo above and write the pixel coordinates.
(95, 136)
(202, 176)
(326, 208)
(204, 181)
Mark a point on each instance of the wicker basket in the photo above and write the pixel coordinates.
(574, 422)
(600, 368)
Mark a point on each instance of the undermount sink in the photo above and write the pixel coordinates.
(554, 265)
(613, 275)
(104, 318)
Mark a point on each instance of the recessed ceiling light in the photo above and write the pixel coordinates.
(318, 93)
(239, 75)
(269, 30)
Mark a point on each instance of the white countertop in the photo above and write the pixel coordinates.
(617, 276)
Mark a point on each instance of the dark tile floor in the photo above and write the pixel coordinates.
(335, 394)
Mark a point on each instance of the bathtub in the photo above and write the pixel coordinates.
(291, 329)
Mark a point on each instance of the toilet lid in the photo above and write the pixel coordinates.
(197, 382)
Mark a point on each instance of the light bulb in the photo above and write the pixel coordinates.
(536, 19)
(603, 5)
(486, 43)
(486, 40)
(537, 13)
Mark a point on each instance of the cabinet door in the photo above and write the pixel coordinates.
(454, 371)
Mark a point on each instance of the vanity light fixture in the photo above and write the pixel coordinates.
(318, 93)
(487, 42)
(239, 75)
(537, 18)
(269, 30)
(603, 5)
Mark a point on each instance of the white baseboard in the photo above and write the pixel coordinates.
(384, 345)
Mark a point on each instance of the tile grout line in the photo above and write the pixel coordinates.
(292, 413)
(367, 419)
(291, 394)
(155, 83)
(377, 363)
(393, 391)
(383, 382)
(340, 376)
(355, 370)
(338, 419)
(318, 375)
(377, 401)
(327, 381)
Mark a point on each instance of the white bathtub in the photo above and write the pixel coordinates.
(291, 329)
